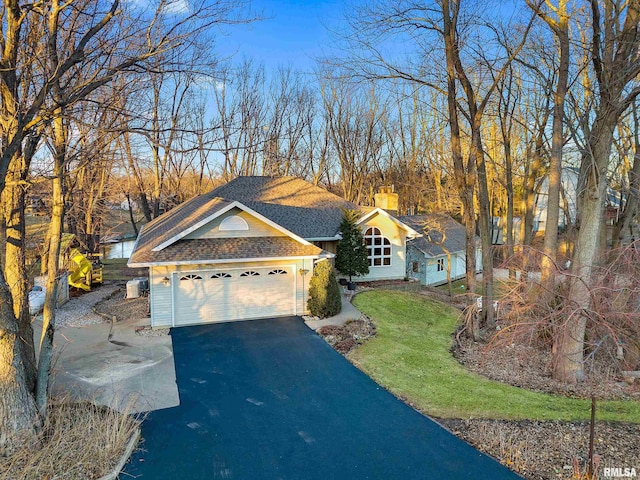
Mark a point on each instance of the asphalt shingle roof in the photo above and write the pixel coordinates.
(300, 207)
(440, 233)
(174, 222)
(305, 209)
(227, 249)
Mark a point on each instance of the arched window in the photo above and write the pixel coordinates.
(379, 248)
(233, 222)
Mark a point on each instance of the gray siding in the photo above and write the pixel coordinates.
(428, 273)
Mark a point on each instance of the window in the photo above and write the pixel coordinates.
(221, 275)
(415, 267)
(440, 265)
(233, 222)
(277, 272)
(191, 277)
(379, 248)
(250, 273)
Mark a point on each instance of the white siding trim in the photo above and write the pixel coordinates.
(173, 298)
(410, 231)
(295, 289)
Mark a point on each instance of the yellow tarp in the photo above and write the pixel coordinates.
(79, 277)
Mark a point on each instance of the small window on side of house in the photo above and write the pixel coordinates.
(440, 265)
(415, 267)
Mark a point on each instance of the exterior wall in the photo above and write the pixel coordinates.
(428, 273)
(397, 236)
(416, 256)
(161, 295)
(257, 228)
(329, 246)
(458, 269)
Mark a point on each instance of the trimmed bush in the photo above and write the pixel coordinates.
(324, 293)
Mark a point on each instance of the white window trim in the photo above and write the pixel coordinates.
(440, 265)
(371, 256)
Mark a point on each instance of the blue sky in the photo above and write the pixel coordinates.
(292, 33)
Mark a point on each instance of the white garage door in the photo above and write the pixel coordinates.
(222, 295)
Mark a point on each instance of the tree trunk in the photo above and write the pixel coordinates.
(19, 419)
(15, 270)
(51, 298)
(569, 343)
(55, 235)
(622, 228)
(548, 270)
(465, 178)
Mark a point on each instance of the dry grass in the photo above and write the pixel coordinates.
(78, 441)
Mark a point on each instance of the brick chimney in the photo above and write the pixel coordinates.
(387, 199)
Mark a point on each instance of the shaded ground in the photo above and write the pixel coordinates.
(547, 450)
(529, 367)
(269, 399)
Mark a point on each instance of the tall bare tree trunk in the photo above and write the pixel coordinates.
(19, 419)
(622, 228)
(560, 28)
(569, 342)
(465, 178)
(15, 269)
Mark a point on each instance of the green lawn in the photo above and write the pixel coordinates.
(410, 356)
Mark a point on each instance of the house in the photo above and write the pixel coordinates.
(568, 201)
(439, 253)
(247, 250)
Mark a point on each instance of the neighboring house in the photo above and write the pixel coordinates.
(439, 251)
(568, 201)
(247, 249)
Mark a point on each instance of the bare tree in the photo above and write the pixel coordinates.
(614, 43)
(81, 47)
(557, 19)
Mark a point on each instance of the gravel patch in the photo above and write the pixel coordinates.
(150, 332)
(120, 308)
(78, 311)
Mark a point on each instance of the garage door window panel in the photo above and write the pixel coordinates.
(250, 274)
(190, 277)
(221, 275)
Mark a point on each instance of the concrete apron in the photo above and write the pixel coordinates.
(112, 366)
(348, 312)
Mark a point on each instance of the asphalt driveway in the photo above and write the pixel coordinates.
(269, 399)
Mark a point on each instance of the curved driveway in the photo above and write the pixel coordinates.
(269, 399)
